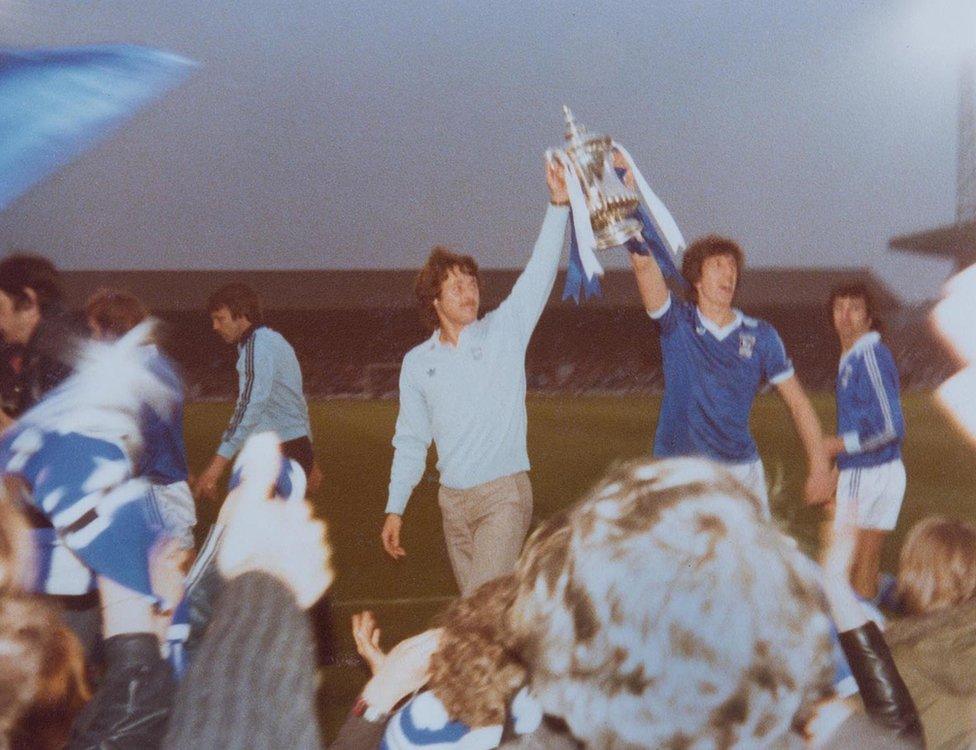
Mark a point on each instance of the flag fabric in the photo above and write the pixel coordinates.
(57, 103)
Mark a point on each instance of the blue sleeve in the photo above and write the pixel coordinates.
(255, 370)
(878, 388)
(668, 316)
(776, 364)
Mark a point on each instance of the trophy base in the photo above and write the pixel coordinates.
(618, 234)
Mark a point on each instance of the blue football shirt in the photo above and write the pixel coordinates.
(711, 378)
(869, 416)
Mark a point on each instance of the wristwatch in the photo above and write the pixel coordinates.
(365, 711)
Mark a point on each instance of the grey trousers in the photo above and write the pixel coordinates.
(484, 527)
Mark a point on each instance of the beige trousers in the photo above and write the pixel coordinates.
(484, 527)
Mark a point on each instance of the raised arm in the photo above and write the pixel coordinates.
(819, 486)
(531, 292)
(650, 282)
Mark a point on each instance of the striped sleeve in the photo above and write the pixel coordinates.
(255, 368)
(885, 426)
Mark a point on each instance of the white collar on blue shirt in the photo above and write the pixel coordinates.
(868, 339)
(465, 334)
(720, 332)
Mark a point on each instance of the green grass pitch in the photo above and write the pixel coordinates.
(571, 442)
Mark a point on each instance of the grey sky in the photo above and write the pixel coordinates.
(336, 135)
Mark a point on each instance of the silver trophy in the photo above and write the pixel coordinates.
(610, 203)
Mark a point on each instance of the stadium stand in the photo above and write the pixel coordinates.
(350, 329)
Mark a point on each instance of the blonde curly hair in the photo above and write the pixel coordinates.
(472, 672)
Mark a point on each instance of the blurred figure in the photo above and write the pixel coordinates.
(937, 566)
(476, 685)
(111, 314)
(43, 683)
(664, 611)
(935, 644)
(870, 430)
(252, 682)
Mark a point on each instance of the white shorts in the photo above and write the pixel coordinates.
(753, 476)
(871, 495)
(174, 503)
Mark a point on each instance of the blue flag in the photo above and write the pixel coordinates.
(57, 103)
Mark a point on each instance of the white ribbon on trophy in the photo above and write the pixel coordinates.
(606, 202)
(667, 227)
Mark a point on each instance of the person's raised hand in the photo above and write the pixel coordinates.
(367, 636)
(405, 670)
(556, 180)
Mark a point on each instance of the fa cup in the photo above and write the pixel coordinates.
(610, 204)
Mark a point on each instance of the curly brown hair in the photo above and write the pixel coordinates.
(472, 673)
(431, 277)
(707, 247)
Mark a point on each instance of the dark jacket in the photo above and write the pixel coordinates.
(28, 372)
(936, 655)
(131, 706)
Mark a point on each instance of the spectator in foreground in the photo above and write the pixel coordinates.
(935, 644)
(476, 685)
(664, 611)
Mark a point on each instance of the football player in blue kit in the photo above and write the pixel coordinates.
(870, 429)
(716, 359)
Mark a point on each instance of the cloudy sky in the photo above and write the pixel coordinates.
(341, 135)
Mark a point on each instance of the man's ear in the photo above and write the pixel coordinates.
(27, 300)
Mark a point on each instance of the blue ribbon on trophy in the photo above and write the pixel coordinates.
(57, 103)
(605, 213)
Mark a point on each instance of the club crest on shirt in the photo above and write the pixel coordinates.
(430, 372)
(845, 376)
(476, 352)
(747, 343)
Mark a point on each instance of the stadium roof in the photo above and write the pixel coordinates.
(956, 241)
(313, 289)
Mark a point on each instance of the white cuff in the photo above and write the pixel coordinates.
(788, 373)
(659, 313)
(852, 443)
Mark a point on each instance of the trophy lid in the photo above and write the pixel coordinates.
(574, 132)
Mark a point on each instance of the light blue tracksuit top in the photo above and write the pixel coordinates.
(470, 399)
(270, 395)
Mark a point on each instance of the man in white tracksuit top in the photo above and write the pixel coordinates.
(464, 388)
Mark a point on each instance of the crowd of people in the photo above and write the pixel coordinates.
(665, 608)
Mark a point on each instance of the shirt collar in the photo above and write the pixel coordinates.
(720, 332)
(248, 333)
(867, 340)
(462, 337)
